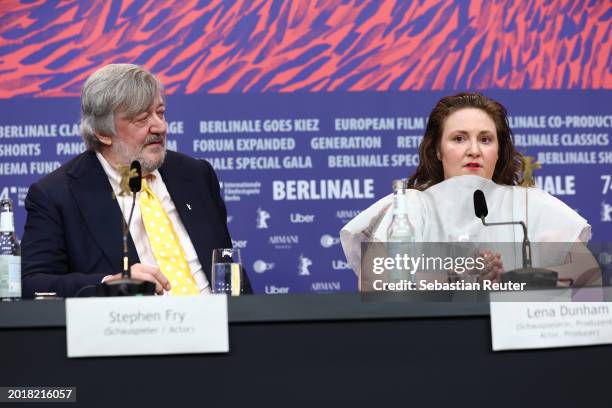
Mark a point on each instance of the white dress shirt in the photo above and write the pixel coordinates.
(137, 228)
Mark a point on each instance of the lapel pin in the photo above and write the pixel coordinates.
(188, 206)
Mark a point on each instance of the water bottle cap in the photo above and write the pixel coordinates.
(6, 205)
(398, 185)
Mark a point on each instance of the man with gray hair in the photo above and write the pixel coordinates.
(73, 233)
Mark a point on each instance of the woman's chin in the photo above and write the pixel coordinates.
(476, 172)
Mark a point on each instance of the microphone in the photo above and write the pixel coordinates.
(135, 183)
(480, 205)
(481, 211)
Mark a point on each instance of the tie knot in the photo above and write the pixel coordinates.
(145, 182)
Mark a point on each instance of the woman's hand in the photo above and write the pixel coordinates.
(493, 267)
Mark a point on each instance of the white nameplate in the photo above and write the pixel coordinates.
(141, 325)
(532, 325)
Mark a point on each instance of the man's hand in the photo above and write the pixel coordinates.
(146, 273)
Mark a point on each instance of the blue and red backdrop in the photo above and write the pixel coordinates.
(309, 109)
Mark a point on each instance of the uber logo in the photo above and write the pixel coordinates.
(338, 265)
(273, 290)
(241, 244)
(297, 218)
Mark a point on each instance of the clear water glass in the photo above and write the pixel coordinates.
(462, 245)
(227, 273)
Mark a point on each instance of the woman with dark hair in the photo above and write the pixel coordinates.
(468, 146)
(461, 106)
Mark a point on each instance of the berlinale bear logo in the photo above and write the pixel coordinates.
(606, 212)
(262, 218)
(305, 263)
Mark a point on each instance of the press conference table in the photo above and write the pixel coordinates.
(315, 350)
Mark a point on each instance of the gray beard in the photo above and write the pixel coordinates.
(149, 166)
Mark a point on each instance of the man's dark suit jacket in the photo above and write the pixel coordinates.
(73, 232)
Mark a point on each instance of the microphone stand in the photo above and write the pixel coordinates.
(532, 277)
(526, 244)
(126, 286)
(127, 274)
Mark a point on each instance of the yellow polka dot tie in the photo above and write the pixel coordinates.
(165, 244)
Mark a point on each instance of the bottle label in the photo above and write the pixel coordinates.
(7, 222)
(10, 276)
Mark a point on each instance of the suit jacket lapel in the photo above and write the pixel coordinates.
(94, 196)
(185, 193)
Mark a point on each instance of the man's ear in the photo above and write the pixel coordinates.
(105, 140)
